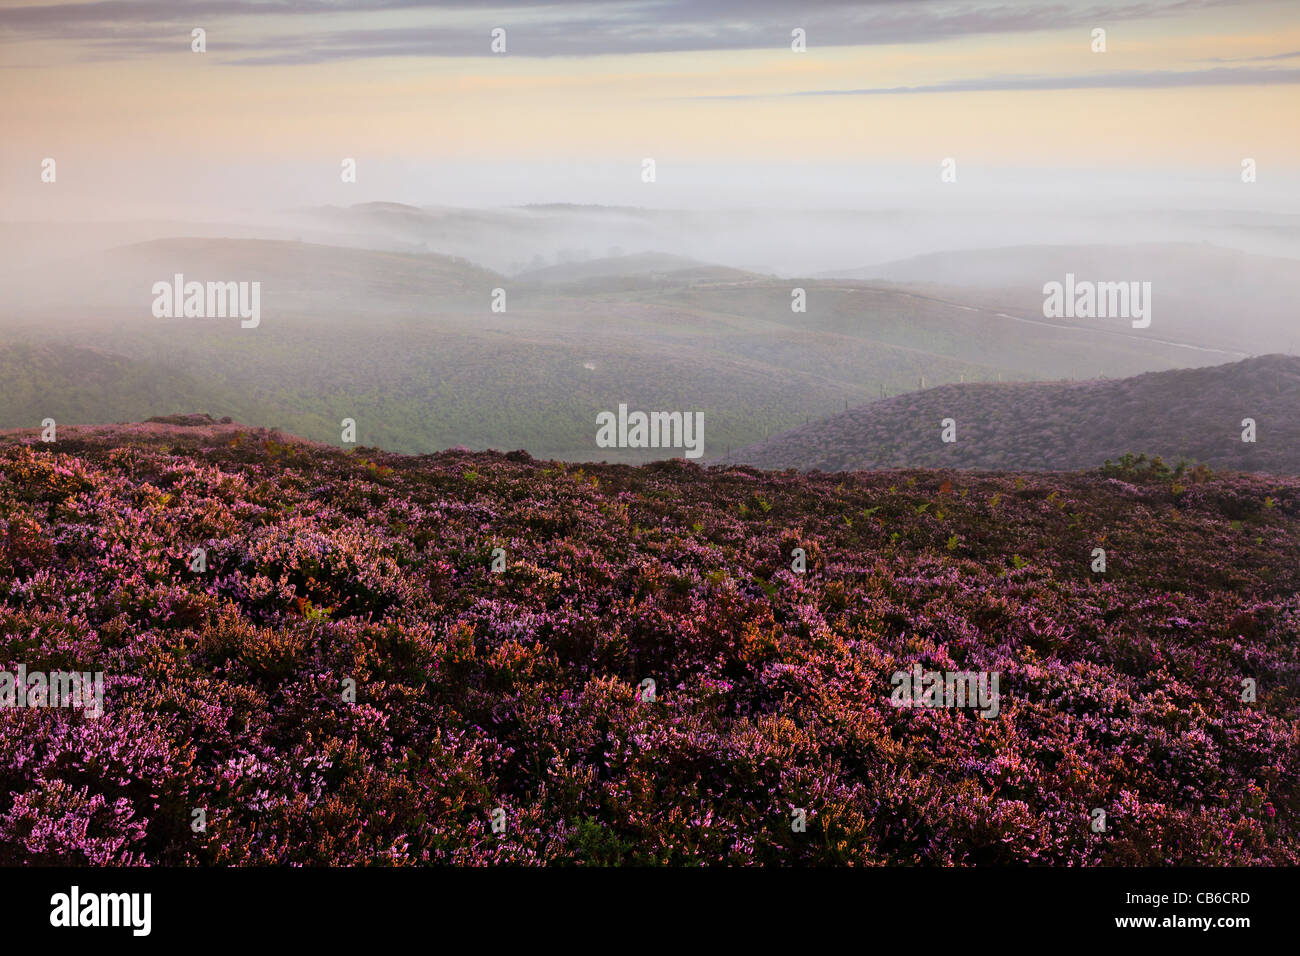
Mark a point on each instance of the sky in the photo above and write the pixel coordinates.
(711, 90)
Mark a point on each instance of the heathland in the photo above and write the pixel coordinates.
(345, 678)
(1243, 416)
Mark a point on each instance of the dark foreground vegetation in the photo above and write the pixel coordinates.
(227, 688)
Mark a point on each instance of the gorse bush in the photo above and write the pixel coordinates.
(521, 690)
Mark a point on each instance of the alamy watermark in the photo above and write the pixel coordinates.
(75, 689)
(1098, 300)
(683, 430)
(975, 689)
(211, 300)
(75, 909)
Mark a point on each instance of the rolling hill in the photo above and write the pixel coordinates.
(87, 385)
(1191, 414)
(410, 346)
(623, 272)
(1194, 286)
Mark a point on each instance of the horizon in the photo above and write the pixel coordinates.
(882, 93)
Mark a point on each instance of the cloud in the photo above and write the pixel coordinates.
(1134, 79)
(1257, 59)
(328, 30)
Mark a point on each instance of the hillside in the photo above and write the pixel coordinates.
(228, 688)
(1194, 286)
(629, 271)
(1191, 414)
(412, 347)
(409, 346)
(296, 277)
(70, 384)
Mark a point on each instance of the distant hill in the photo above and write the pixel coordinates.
(615, 270)
(1192, 414)
(506, 239)
(410, 346)
(296, 276)
(1008, 265)
(1193, 286)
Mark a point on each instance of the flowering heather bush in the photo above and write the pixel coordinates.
(1120, 691)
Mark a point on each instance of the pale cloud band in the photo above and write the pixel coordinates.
(1153, 79)
(280, 32)
(1181, 84)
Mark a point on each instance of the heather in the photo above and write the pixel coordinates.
(475, 690)
(1192, 414)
